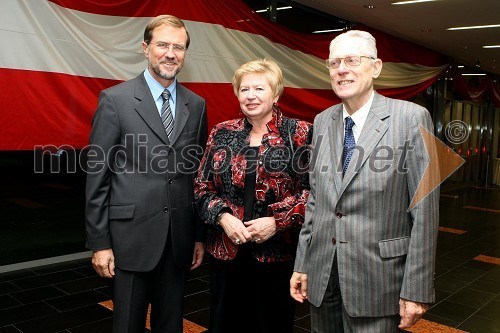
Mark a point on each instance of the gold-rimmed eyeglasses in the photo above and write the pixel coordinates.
(350, 61)
(176, 48)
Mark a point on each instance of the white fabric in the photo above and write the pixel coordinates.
(395, 75)
(359, 117)
(42, 36)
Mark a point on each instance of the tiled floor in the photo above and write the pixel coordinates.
(69, 297)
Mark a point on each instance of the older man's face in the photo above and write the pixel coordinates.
(354, 84)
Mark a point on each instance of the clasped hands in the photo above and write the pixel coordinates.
(258, 230)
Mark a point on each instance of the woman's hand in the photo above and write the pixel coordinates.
(261, 229)
(234, 229)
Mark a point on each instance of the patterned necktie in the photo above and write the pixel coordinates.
(349, 144)
(166, 114)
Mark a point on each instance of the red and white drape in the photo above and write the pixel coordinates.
(58, 54)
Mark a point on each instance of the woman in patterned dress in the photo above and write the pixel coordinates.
(251, 191)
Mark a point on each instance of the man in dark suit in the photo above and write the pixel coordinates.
(365, 259)
(140, 223)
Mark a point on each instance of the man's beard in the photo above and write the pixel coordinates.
(165, 76)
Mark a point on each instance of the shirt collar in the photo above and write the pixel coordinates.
(157, 89)
(359, 117)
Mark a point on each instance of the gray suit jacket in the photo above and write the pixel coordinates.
(384, 251)
(140, 183)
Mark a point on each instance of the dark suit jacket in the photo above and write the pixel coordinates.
(140, 183)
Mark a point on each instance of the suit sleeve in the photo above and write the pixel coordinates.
(207, 202)
(202, 142)
(104, 135)
(306, 230)
(418, 280)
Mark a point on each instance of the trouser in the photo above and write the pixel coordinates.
(331, 316)
(248, 296)
(163, 287)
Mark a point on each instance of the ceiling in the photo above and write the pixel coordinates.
(425, 24)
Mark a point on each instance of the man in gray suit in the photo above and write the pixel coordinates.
(365, 261)
(148, 135)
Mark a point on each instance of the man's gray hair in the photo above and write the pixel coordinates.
(371, 44)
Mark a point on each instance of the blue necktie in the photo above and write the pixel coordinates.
(166, 114)
(349, 144)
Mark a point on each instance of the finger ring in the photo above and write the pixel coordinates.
(236, 241)
(257, 240)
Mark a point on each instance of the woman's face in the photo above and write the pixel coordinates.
(256, 97)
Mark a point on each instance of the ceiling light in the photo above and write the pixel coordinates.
(491, 46)
(460, 66)
(410, 2)
(473, 74)
(279, 8)
(331, 30)
(369, 6)
(476, 27)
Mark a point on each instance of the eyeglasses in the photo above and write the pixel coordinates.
(351, 61)
(176, 48)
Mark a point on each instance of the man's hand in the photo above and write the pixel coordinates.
(298, 286)
(104, 263)
(410, 312)
(199, 250)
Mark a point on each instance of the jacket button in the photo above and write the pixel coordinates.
(339, 215)
(334, 241)
(165, 209)
(170, 181)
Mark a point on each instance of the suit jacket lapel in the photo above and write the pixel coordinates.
(373, 131)
(146, 108)
(336, 129)
(181, 114)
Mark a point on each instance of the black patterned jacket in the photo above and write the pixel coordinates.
(281, 190)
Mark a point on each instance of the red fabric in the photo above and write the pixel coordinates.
(495, 93)
(393, 49)
(475, 88)
(408, 93)
(41, 108)
(235, 14)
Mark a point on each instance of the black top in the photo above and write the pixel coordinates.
(251, 155)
